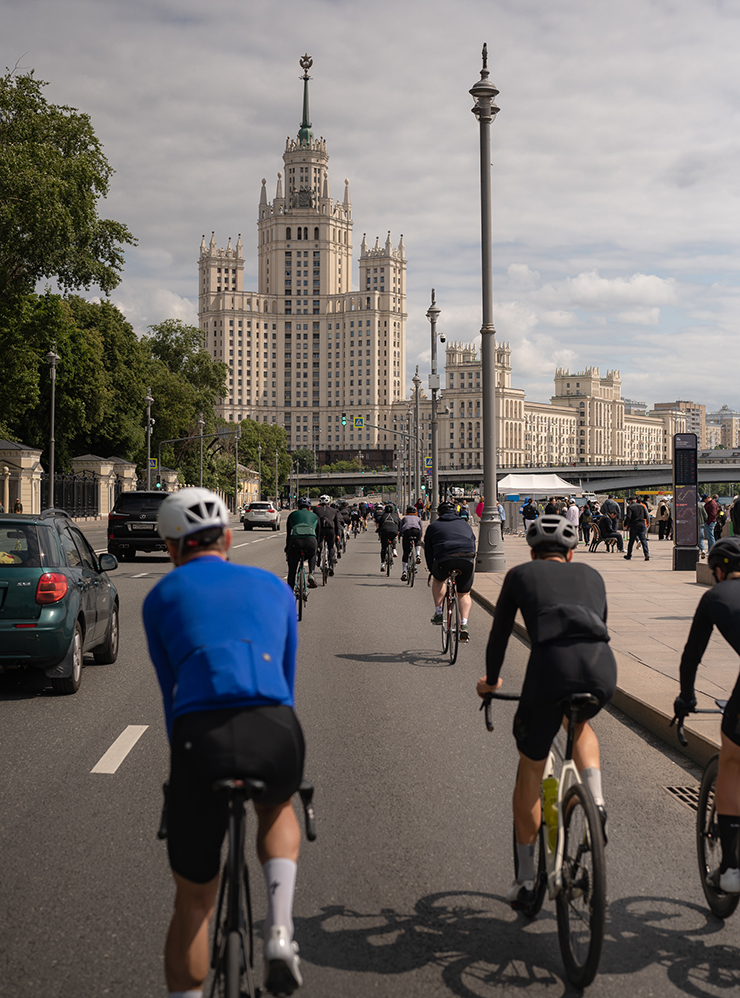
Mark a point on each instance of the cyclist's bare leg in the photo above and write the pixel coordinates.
(526, 799)
(727, 790)
(585, 747)
(186, 957)
(278, 832)
(465, 602)
(438, 591)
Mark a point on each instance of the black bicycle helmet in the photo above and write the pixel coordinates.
(410, 511)
(725, 554)
(304, 503)
(552, 533)
(445, 507)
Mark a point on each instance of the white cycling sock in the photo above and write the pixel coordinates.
(592, 778)
(525, 862)
(463, 621)
(438, 611)
(280, 877)
(404, 565)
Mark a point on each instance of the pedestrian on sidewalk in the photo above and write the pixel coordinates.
(608, 530)
(610, 505)
(584, 523)
(502, 518)
(663, 519)
(529, 513)
(571, 514)
(637, 520)
(711, 507)
(735, 516)
(701, 522)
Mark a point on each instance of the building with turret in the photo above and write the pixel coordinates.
(306, 346)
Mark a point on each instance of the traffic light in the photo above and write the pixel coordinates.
(344, 419)
(158, 483)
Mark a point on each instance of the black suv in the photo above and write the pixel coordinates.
(132, 524)
(56, 600)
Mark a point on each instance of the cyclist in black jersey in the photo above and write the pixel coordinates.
(720, 607)
(564, 609)
(331, 525)
(387, 529)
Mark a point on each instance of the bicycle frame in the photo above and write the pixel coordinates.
(554, 857)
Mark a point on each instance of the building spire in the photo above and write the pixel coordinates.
(305, 135)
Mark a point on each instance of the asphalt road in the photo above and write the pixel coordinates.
(402, 894)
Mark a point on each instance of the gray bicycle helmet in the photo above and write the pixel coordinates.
(552, 533)
(304, 503)
(725, 554)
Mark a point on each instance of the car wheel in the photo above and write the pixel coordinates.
(275, 526)
(247, 526)
(71, 683)
(107, 653)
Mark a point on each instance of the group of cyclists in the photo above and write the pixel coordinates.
(226, 668)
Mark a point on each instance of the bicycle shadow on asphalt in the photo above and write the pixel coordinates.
(422, 658)
(483, 949)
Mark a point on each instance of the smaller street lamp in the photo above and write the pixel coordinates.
(433, 314)
(52, 359)
(149, 424)
(237, 434)
(201, 424)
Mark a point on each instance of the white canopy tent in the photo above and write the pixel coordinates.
(538, 485)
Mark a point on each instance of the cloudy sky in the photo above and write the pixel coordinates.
(615, 159)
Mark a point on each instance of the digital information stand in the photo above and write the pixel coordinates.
(685, 499)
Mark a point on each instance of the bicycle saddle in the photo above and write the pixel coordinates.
(251, 788)
(579, 706)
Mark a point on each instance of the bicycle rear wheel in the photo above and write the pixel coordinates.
(411, 574)
(540, 866)
(445, 626)
(581, 901)
(453, 617)
(388, 559)
(233, 966)
(301, 590)
(708, 847)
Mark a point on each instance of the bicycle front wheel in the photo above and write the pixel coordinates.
(540, 866)
(708, 847)
(581, 901)
(453, 617)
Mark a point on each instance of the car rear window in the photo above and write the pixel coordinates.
(19, 546)
(261, 505)
(135, 502)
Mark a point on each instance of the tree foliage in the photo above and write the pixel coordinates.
(303, 460)
(52, 173)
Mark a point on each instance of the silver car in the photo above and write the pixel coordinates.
(261, 514)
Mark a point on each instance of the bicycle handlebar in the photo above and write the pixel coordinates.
(678, 719)
(486, 705)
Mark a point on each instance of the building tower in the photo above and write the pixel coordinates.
(305, 345)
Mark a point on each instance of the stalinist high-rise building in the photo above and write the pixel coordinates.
(305, 346)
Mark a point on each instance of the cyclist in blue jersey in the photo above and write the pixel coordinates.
(223, 641)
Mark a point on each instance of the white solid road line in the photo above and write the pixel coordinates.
(120, 748)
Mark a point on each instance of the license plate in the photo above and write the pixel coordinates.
(141, 526)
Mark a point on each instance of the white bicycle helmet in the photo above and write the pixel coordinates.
(552, 532)
(189, 511)
(324, 500)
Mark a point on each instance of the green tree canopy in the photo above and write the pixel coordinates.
(52, 174)
(303, 459)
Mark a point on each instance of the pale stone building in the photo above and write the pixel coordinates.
(696, 418)
(728, 421)
(600, 412)
(550, 434)
(305, 345)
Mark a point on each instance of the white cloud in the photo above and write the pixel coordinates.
(609, 200)
(640, 316)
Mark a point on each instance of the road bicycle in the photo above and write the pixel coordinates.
(708, 846)
(301, 586)
(326, 562)
(569, 852)
(355, 528)
(450, 617)
(232, 952)
(388, 557)
(411, 569)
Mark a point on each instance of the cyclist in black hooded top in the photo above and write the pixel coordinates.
(387, 528)
(720, 607)
(564, 608)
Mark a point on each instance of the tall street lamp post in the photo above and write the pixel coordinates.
(149, 422)
(52, 359)
(201, 424)
(259, 470)
(433, 314)
(417, 456)
(277, 494)
(490, 547)
(237, 434)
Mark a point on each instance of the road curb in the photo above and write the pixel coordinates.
(700, 749)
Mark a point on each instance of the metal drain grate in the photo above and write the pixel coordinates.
(687, 795)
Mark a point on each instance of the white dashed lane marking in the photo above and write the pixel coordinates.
(120, 748)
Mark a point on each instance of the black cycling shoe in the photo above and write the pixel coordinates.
(331, 571)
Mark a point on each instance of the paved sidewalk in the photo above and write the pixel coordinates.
(650, 612)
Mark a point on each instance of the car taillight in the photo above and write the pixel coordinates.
(51, 588)
(271, 510)
(116, 516)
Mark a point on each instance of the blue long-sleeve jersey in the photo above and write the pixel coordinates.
(221, 635)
